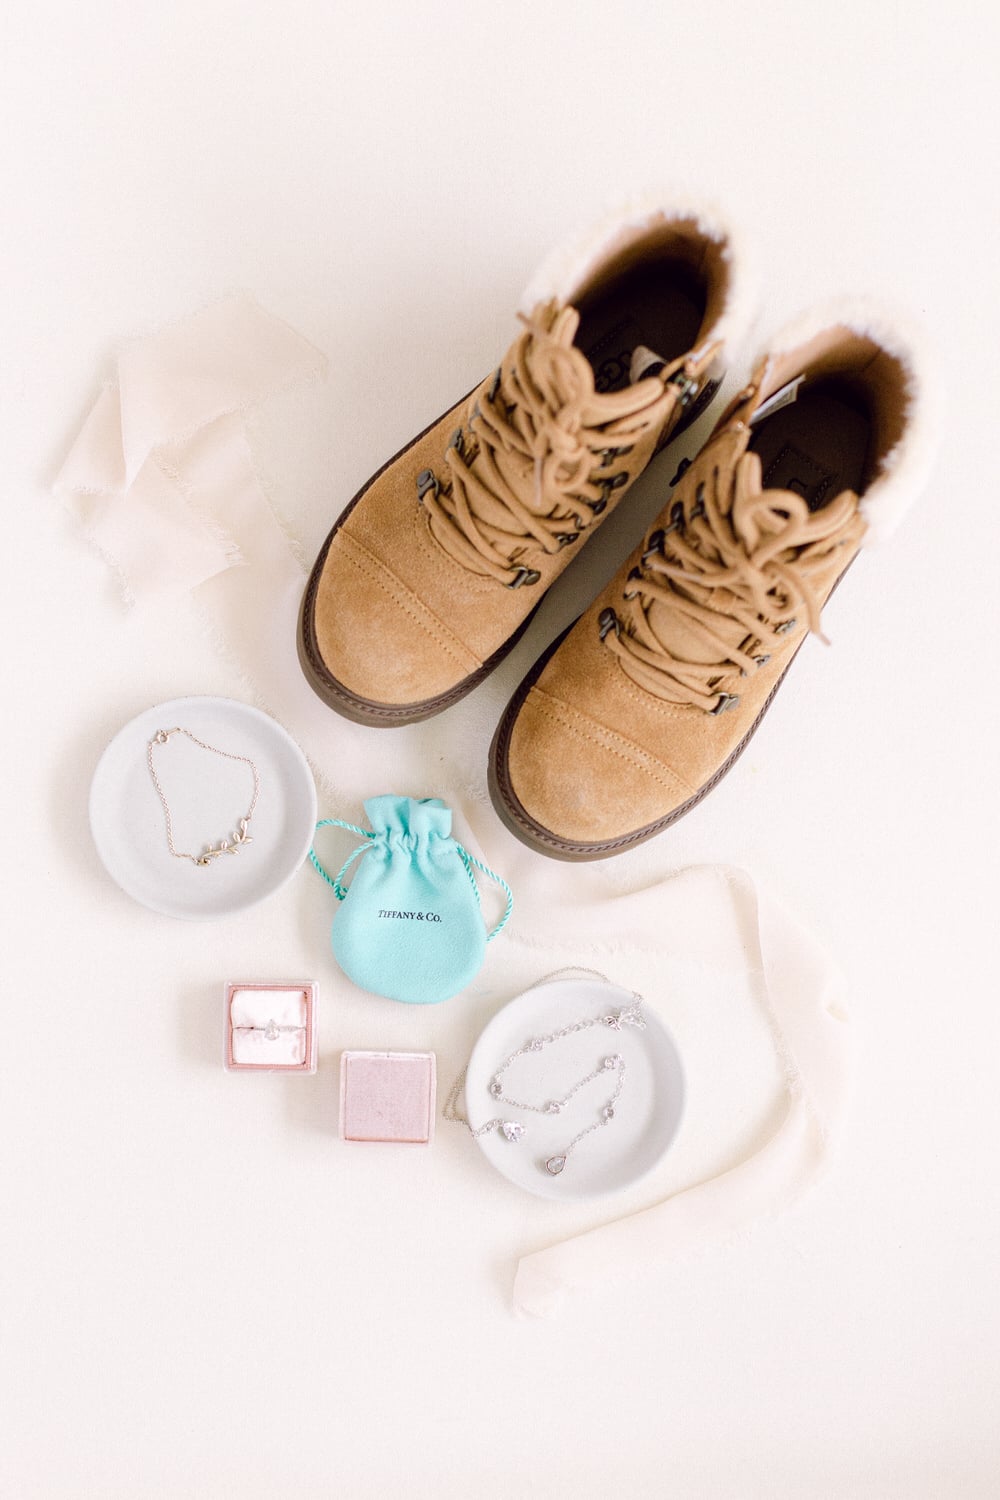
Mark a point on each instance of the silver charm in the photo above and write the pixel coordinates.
(555, 1164)
(629, 1015)
(512, 1129)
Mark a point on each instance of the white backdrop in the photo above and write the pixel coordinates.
(201, 1295)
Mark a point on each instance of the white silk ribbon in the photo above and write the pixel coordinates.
(160, 474)
(714, 920)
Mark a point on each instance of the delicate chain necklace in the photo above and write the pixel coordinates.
(224, 846)
(513, 1130)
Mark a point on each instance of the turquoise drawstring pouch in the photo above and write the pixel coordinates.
(410, 924)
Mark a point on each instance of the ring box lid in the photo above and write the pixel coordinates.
(388, 1097)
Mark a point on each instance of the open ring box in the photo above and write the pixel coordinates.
(270, 1027)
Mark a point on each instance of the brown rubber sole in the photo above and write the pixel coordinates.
(520, 822)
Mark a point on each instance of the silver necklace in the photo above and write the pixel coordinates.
(225, 846)
(513, 1130)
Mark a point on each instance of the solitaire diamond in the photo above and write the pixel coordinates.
(512, 1129)
(555, 1164)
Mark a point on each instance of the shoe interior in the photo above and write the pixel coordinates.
(659, 291)
(840, 420)
(819, 445)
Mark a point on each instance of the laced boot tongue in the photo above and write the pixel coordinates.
(534, 462)
(736, 568)
(682, 634)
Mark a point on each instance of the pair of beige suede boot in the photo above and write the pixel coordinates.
(436, 566)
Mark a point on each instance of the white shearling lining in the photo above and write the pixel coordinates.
(904, 471)
(568, 265)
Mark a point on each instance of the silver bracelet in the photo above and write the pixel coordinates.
(514, 1130)
(236, 839)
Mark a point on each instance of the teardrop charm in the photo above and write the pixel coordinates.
(555, 1164)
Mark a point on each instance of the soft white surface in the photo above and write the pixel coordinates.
(386, 179)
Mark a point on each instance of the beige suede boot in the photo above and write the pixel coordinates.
(652, 695)
(437, 564)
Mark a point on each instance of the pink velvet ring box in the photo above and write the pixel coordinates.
(270, 1028)
(388, 1097)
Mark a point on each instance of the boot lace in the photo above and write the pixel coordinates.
(735, 568)
(531, 468)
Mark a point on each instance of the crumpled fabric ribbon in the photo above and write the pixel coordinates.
(160, 475)
(713, 918)
(162, 478)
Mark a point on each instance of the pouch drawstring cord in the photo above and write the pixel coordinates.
(468, 860)
(340, 891)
